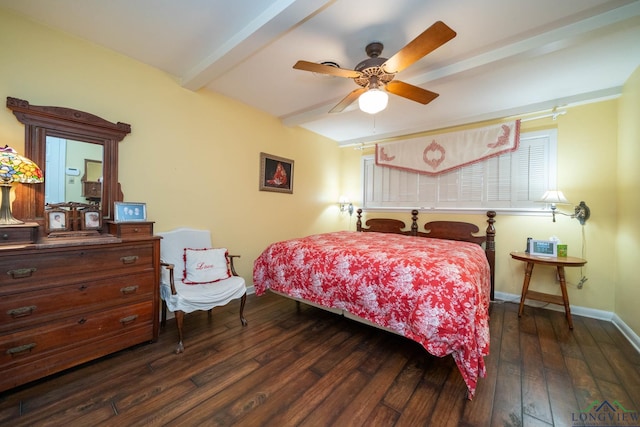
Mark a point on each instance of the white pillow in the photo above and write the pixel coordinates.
(205, 265)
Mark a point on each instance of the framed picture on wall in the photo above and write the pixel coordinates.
(130, 212)
(276, 174)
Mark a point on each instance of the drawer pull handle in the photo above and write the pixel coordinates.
(128, 319)
(21, 273)
(129, 289)
(22, 311)
(82, 321)
(129, 259)
(21, 349)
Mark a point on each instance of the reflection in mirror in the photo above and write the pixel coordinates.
(73, 171)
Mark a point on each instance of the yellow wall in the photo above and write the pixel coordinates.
(628, 184)
(194, 158)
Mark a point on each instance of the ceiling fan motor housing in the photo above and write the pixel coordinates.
(372, 66)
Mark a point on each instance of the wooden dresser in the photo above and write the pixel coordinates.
(65, 302)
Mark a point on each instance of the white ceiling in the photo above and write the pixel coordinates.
(509, 56)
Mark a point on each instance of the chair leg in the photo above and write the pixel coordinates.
(179, 319)
(163, 322)
(242, 301)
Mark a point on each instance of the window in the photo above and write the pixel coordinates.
(511, 181)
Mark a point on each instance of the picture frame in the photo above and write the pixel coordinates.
(547, 248)
(57, 220)
(91, 219)
(276, 174)
(130, 212)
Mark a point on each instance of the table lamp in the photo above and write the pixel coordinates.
(15, 168)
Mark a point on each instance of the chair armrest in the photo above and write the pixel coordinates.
(170, 267)
(233, 269)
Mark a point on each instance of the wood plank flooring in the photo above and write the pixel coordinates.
(312, 368)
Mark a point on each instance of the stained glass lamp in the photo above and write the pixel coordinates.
(15, 168)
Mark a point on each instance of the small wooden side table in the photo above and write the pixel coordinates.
(560, 263)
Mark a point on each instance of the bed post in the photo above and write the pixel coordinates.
(359, 221)
(490, 249)
(414, 222)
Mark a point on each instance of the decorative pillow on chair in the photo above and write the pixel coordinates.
(206, 265)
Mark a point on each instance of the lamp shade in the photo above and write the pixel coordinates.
(373, 101)
(14, 168)
(554, 197)
(17, 168)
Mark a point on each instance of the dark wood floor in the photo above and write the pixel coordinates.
(312, 368)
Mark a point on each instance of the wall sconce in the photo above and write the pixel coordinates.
(14, 168)
(345, 205)
(555, 197)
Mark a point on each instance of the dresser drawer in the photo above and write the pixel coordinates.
(26, 345)
(22, 309)
(131, 230)
(18, 234)
(65, 266)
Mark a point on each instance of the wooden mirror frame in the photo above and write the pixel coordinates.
(67, 123)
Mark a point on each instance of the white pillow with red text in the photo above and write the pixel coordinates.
(206, 265)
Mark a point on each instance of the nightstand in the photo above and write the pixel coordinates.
(560, 263)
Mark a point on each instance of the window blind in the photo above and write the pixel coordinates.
(512, 180)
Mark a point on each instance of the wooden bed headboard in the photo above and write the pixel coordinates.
(449, 230)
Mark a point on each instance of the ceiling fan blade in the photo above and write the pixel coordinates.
(326, 69)
(347, 100)
(411, 92)
(430, 39)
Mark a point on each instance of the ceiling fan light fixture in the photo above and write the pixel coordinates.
(373, 101)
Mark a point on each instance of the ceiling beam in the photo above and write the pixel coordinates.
(267, 27)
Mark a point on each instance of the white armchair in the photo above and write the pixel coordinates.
(180, 297)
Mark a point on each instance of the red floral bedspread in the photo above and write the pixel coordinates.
(435, 292)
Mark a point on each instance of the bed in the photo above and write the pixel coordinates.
(432, 286)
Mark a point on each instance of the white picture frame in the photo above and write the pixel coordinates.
(130, 212)
(546, 248)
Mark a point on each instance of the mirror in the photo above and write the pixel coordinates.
(92, 180)
(93, 170)
(90, 148)
(73, 171)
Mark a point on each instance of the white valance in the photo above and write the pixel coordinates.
(436, 154)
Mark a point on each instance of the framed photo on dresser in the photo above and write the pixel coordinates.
(91, 219)
(57, 220)
(130, 212)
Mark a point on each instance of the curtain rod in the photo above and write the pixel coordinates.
(554, 114)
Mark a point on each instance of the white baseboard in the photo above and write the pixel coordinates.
(627, 331)
(593, 313)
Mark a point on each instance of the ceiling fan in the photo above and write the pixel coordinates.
(377, 73)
